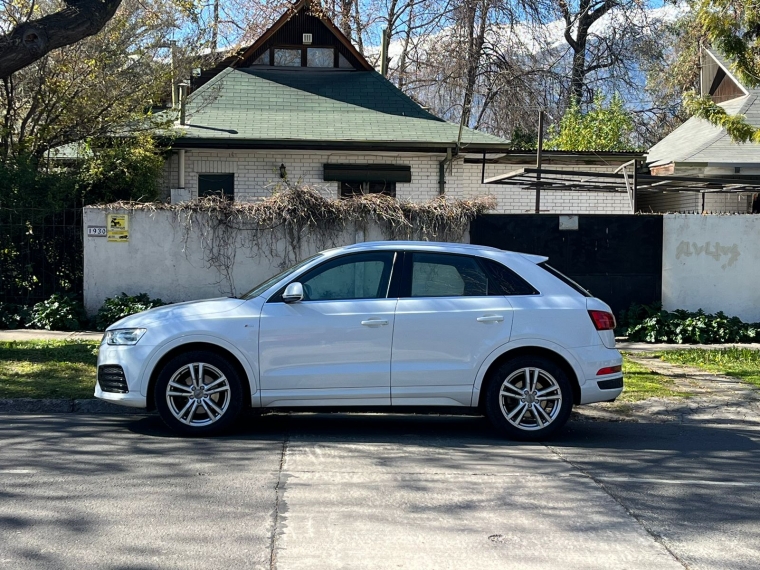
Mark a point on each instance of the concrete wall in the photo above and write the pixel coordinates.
(257, 172)
(712, 263)
(168, 258)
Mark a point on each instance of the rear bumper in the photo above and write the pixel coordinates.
(599, 388)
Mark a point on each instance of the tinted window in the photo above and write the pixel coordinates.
(441, 275)
(360, 276)
(505, 281)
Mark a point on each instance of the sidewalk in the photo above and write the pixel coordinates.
(30, 334)
(624, 346)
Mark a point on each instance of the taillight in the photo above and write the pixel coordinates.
(603, 321)
(609, 370)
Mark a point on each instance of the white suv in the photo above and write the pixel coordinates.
(401, 325)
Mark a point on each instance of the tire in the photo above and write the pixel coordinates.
(532, 416)
(210, 406)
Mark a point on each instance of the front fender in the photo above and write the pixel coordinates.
(160, 351)
(523, 343)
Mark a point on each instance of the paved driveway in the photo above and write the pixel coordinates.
(375, 491)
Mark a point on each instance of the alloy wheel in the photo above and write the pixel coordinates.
(530, 398)
(198, 394)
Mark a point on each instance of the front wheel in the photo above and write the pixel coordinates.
(198, 393)
(528, 398)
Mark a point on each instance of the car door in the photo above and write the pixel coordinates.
(334, 346)
(450, 316)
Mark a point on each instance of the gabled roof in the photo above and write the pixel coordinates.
(260, 107)
(248, 104)
(285, 18)
(699, 141)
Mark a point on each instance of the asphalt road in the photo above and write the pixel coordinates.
(375, 491)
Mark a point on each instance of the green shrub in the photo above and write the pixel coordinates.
(652, 324)
(120, 306)
(13, 316)
(60, 312)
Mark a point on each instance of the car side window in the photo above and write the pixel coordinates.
(442, 275)
(359, 276)
(504, 281)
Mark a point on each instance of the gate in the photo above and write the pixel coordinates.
(618, 258)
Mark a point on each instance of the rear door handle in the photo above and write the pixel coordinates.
(490, 319)
(374, 322)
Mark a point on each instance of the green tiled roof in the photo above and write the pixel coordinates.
(304, 107)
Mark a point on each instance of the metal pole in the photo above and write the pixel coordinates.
(539, 150)
(384, 45)
(635, 184)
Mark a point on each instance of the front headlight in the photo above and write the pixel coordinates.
(124, 336)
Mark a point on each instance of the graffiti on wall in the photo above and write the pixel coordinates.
(726, 253)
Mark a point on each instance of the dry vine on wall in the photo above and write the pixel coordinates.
(297, 221)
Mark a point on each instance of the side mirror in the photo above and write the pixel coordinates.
(293, 293)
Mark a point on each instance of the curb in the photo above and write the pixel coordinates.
(65, 406)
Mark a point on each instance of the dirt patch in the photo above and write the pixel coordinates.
(714, 398)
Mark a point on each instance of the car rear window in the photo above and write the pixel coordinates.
(565, 279)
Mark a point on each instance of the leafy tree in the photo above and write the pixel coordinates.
(127, 168)
(603, 128)
(733, 28)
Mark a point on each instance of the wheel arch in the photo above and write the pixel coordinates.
(228, 355)
(528, 350)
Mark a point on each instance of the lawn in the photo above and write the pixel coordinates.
(66, 369)
(641, 384)
(741, 363)
(47, 369)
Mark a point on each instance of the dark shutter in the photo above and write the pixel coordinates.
(367, 173)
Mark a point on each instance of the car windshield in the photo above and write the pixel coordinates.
(260, 288)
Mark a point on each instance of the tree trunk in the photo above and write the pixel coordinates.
(29, 41)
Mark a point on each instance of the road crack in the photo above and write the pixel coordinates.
(659, 539)
(277, 499)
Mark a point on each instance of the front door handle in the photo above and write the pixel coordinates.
(374, 322)
(490, 319)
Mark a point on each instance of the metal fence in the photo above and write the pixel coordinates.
(41, 253)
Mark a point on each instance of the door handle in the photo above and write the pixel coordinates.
(490, 319)
(374, 322)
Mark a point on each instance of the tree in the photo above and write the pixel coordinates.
(27, 40)
(603, 128)
(93, 88)
(732, 27)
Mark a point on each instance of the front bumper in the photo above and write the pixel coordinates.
(133, 360)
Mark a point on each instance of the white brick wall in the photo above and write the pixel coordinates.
(257, 173)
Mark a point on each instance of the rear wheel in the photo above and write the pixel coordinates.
(198, 393)
(529, 398)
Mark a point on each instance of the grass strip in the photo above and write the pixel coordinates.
(742, 363)
(48, 368)
(642, 384)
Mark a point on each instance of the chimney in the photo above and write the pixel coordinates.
(182, 102)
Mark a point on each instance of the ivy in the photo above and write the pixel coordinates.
(736, 126)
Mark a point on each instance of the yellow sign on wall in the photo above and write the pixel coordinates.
(117, 226)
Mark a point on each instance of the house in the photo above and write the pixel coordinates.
(697, 149)
(303, 103)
